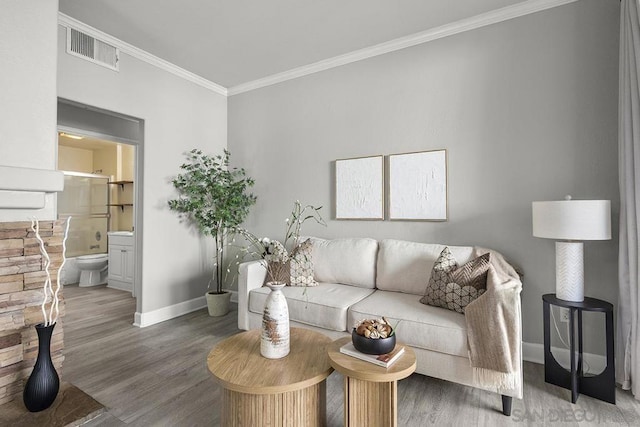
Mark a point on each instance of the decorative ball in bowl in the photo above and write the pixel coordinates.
(373, 336)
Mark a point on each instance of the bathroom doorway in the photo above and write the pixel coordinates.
(100, 154)
(98, 195)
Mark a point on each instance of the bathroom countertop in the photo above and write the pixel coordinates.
(120, 233)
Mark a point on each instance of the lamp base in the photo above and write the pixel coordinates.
(570, 271)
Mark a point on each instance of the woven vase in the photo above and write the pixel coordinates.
(274, 339)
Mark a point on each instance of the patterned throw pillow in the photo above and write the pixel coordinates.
(302, 265)
(435, 294)
(467, 283)
(280, 271)
(454, 287)
(278, 265)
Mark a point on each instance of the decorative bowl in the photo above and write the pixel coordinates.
(373, 345)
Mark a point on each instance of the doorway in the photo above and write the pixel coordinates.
(100, 153)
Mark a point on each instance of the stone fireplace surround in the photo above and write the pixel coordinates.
(22, 277)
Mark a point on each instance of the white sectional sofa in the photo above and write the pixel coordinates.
(362, 278)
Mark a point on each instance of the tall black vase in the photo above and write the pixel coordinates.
(43, 384)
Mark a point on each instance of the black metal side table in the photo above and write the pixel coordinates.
(601, 386)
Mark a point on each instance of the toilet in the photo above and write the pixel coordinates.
(93, 269)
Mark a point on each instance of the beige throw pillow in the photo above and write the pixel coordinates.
(467, 283)
(280, 272)
(454, 287)
(302, 265)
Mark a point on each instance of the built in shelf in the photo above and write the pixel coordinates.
(120, 205)
(120, 183)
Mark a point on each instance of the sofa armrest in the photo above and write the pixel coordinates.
(251, 276)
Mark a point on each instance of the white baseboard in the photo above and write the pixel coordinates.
(594, 363)
(234, 295)
(143, 320)
(533, 352)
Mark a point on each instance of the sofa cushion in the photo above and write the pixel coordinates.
(406, 266)
(347, 261)
(426, 327)
(324, 306)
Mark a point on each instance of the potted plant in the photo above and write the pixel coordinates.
(216, 199)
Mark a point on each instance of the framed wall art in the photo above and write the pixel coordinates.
(418, 186)
(360, 188)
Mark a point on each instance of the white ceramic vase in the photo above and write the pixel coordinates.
(274, 339)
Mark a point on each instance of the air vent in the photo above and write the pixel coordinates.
(85, 46)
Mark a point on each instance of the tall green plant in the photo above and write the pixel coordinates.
(213, 197)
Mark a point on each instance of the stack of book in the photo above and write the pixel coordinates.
(384, 360)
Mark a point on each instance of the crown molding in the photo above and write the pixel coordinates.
(482, 20)
(67, 21)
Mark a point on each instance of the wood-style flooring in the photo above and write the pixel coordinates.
(157, 376)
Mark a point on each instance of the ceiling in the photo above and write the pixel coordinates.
(237, 41)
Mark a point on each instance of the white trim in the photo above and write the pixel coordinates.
(492, 17)
(13, 178)
(22, 199)
(531, 352)
(124, 47)
(234, 295)
(143, 320)
(488, 18)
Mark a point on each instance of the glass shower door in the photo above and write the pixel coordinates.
(85, 198)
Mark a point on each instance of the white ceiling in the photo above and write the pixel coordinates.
(236, 41)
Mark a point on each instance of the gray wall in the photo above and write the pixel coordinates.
(178, 115)
(527, 110)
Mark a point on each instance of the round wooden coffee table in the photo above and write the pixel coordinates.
(370, 391)
(276, 392)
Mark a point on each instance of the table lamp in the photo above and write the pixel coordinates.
(571, 222)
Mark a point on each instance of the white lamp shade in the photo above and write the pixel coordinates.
(572, 219)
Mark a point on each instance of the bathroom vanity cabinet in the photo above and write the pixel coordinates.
(121, 261)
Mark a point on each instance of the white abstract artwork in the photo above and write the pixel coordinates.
(360, 188)
(418, 186)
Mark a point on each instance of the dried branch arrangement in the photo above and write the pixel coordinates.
(49, 293)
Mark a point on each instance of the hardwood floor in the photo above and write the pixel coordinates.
(157, 376)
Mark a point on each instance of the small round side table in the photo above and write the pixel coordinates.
(370, 391)
(277, 392)
(601, 386)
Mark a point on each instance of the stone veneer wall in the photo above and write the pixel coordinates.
(22, 277)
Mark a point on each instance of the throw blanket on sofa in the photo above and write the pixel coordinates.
(493, 327)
